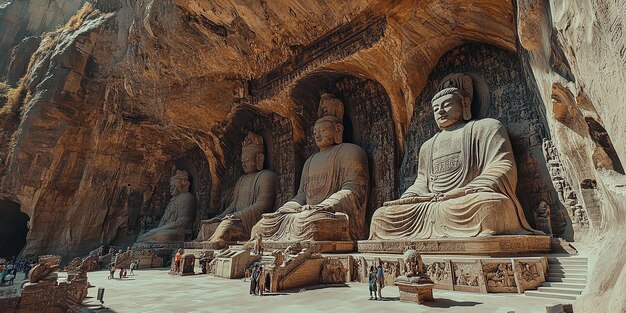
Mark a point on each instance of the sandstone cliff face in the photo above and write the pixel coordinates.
(21, 25)
(577, 55)
(128, 90)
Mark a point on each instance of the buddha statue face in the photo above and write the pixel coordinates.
(251, 161)
(327, 133)
(451, 106)
(179, 183)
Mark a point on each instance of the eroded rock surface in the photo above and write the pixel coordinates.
(125, 92)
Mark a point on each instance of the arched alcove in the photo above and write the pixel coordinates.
(280, 152)
(367, 122)
(497, 72)
(194, 161)
(13, 228)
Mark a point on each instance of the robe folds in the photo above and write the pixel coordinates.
(253, 195)
(336, 181)
(485, 162)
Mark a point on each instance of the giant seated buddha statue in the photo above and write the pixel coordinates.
(178, 218)
(253, 195)
(465, 186)
(331, 200)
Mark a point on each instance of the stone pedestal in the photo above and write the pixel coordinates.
(510, 245)
(186, 266)
(162, 250)
(317, 246)
(415, 293)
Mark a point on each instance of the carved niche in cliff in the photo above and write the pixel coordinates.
(507, 99)
(194, 161)
(367, 123)
(280, 154)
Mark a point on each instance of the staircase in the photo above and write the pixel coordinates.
(567, 277)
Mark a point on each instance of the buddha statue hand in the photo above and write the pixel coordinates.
(316, 207)
(212, 220)
(459, 192)
(409, 200)
(231, 217)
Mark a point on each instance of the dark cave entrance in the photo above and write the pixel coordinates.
(13, 229)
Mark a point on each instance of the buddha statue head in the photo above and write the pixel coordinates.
(179, 183)
(252, 156)
(328, 129)
(453, 103)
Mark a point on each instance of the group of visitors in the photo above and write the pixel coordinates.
(9, 267)
(376, 282)
(258, 284)
(134, 265)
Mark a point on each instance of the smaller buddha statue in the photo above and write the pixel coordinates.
(179, 215)
(542, 217)
(253, 195)
(330, 203)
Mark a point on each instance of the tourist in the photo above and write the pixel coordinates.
(259, 283)
(380, 278)
(254, 279)
(267, 282)
(111, 271)
(246, 274)
(4, 274)
(137, 267)
(132, 268)
(372, 283)
(179, 255)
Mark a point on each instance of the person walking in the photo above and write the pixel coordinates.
(111, 271)
(254, 279)
(372, 283)
(132, 268)
(380, 278)
(259, 282)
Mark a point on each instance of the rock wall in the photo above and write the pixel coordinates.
(574, 53)
(125, 91)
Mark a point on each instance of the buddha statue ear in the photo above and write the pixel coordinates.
(338, 133)
(260, 158)
(467, 108)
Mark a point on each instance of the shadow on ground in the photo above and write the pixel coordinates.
(447, 303)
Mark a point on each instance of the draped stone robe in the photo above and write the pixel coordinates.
(337, 179)
(253, 195)
(485, 161)
(176, 223)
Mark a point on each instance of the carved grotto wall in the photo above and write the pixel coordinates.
(500, 92)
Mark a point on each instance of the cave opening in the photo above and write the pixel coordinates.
(13, 229)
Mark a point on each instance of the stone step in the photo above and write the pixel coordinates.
(566, 271)
(535, 293)
(566, 260)
(566, 280)
(565, 275)
(564, 285)
(567, 267)
(569, 291)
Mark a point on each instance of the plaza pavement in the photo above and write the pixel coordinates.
(154, 291)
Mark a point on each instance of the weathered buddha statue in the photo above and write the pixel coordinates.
(253, 195)
(179, 215)
(330, 203)
(466, 179)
